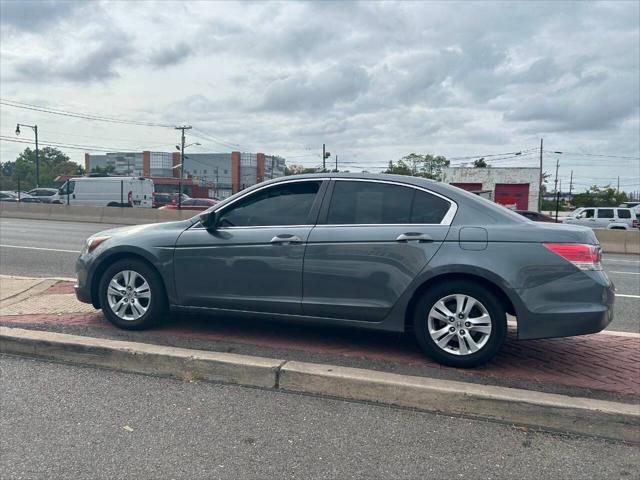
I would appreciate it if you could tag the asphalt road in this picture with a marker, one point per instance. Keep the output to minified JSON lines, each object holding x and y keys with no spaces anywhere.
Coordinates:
{"x":50,"y":248}
{"x":61,"y":421}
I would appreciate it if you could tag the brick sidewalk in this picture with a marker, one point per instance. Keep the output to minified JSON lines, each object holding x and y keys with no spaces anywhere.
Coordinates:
{"x":599,"y":362}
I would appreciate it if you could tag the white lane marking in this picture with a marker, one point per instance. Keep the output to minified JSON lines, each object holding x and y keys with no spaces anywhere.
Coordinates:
{"x":626,"y":295}
{"x":625,"y":273}
{"x":40,"y":248}
{"x":622,"y":261}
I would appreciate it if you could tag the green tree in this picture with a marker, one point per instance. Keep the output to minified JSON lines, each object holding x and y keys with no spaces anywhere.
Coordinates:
{"x":599,"y":197}
{"x":399,"y":168}
{"x":480,"y":163}
{"x":52,"y":161}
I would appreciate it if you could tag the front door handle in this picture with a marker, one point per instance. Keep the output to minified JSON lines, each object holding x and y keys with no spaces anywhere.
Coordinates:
{"x":414,"y":236}
{"x":285,"y":238}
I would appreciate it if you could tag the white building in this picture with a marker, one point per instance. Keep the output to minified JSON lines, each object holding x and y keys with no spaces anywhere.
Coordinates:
{"x":517,"y":188}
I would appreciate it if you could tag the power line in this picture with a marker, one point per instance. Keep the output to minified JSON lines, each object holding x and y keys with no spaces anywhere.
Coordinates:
{"x":75,"y":146}
{"x":594,"y":155}
{"x":85,"y":116}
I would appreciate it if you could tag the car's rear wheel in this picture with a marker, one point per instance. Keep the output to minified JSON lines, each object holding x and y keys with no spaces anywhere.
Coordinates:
{"x":132,"y":295}
{"x":460,"y":324}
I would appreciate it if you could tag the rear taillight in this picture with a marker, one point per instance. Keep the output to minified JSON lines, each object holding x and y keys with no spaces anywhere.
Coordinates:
{"x":634,"y":223}
{"x":583,"y":256}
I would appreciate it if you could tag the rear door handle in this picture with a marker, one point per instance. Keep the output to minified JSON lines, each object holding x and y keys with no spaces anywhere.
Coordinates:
{"x":414,"y":236}
{"x":285,"y":238}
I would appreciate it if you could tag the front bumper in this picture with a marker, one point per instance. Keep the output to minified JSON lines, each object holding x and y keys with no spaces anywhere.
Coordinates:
{"x":83,"y":286}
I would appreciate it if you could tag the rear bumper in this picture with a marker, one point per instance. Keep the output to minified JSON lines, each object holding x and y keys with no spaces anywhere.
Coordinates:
{"x":586,"y":308}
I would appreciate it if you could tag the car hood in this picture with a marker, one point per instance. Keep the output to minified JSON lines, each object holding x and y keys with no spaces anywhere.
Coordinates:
{"x":147,"y":235}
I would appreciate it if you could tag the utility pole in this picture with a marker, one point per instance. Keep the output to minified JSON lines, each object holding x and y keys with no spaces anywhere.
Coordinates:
{"x":618,"y":189}
{"x":217,"y":195}
{"x":182,"y":129}
{"x":540,"y":185}
{"x":336,"y":163}
{"x":556,"y":188}
{"x":324,"y":157}
{"x":571,"y":183}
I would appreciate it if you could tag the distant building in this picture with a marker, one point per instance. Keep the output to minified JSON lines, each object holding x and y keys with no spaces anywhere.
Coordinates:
{"x":206,"y":174}
{"x":516,"y":188}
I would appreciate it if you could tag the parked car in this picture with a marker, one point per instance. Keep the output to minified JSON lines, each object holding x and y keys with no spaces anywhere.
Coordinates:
{"x":8,"y":197}
{"x":46,"y":195}
{"x":384,"y":252}
{"x":612,"y":218}
{"x":630,"y":205}
{"x":191,"y":204}
{"x":108,"y":191}
{"x":536,"y":216}
{"x":162,"y":199}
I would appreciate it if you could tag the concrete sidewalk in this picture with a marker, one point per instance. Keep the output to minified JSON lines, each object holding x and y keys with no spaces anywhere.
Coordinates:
{"x":604,"y":366}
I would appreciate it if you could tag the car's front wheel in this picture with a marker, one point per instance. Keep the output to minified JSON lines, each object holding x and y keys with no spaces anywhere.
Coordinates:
{"x":460,"y":324}
{"x":132,"y":295}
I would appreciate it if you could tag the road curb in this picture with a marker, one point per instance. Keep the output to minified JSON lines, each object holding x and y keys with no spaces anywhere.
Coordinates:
{"x":613,"y":420}
{"x":136,"y":357}
{"x":619,"y":421}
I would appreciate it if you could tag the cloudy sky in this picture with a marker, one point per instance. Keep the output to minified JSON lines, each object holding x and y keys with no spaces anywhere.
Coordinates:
{"x":374,"y":81}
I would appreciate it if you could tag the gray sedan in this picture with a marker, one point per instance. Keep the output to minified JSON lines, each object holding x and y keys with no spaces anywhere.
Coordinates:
{"x":382,"y":252}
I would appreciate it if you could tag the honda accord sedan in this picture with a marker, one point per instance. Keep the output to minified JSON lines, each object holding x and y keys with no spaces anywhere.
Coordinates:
{"x":382,"y":252}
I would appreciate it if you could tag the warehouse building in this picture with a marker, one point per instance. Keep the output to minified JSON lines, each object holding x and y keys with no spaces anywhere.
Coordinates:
{"x":515,"y":188}
{"x":214,"y":175}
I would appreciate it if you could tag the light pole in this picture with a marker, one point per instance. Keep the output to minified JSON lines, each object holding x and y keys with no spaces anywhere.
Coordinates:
{"x":35,"y":129}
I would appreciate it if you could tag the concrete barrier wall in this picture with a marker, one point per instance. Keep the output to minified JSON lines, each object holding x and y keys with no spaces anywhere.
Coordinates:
{"x":77,"y":213}
{"x":612,"y":241}
{"x":619,"y":241}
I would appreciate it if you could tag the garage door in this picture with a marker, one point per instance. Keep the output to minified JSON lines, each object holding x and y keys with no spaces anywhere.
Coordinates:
{"x":513,"y":195}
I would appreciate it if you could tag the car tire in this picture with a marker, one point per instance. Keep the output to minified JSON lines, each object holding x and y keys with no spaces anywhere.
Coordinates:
{"x":132,"y":295}
{"x":464,"y":342}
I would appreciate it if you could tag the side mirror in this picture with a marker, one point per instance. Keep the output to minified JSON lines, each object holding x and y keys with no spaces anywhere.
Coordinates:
{"x":210,"y":220}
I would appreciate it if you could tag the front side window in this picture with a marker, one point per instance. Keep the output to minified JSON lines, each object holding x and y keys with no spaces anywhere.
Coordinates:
{"x":358,"y":203}
{"x":68,"y":187}
{"x":588,"y":213}
{"x":605,"y":213}
{"x":285,"y":204}
{"x":624,"y":213}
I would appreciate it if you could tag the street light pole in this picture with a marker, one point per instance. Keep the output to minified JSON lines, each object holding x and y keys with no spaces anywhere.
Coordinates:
{"x":35,"y":130}
{"x":182,"y":129}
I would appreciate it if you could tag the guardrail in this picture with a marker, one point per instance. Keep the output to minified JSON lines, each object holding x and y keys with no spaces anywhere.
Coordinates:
{"x":612,"y":241}
{"x":77,"y":213}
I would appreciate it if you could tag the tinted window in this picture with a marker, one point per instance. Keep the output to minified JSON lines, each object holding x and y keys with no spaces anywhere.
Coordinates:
{"x":605,"y":213}
{"x":624,"y":213}
{"x":360,"y":203}
{"x":428,"y":208}
{"x":369,"y":203}
{"x":287,"y":204}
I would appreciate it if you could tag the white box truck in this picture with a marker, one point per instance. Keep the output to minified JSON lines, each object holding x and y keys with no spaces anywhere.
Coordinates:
{"x":108,"y":192}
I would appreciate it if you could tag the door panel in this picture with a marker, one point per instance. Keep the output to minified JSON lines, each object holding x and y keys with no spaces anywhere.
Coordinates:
{"x":372,"y":239}
{"x":241,"y":269}
{"x":358,"y":272}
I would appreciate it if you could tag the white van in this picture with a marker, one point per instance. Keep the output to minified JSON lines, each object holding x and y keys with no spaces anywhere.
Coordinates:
{"x":108,"y":191}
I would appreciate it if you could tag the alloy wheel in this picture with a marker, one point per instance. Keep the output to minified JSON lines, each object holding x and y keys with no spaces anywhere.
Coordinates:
{"x":459,"y":324}
{"x":129,"y":295}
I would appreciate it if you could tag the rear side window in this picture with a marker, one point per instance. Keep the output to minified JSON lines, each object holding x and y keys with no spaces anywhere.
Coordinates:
{"x":359,"y":203}
{"x":605,"y":213}
{"x":624,"y":213}
{"x":428,"y":208}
